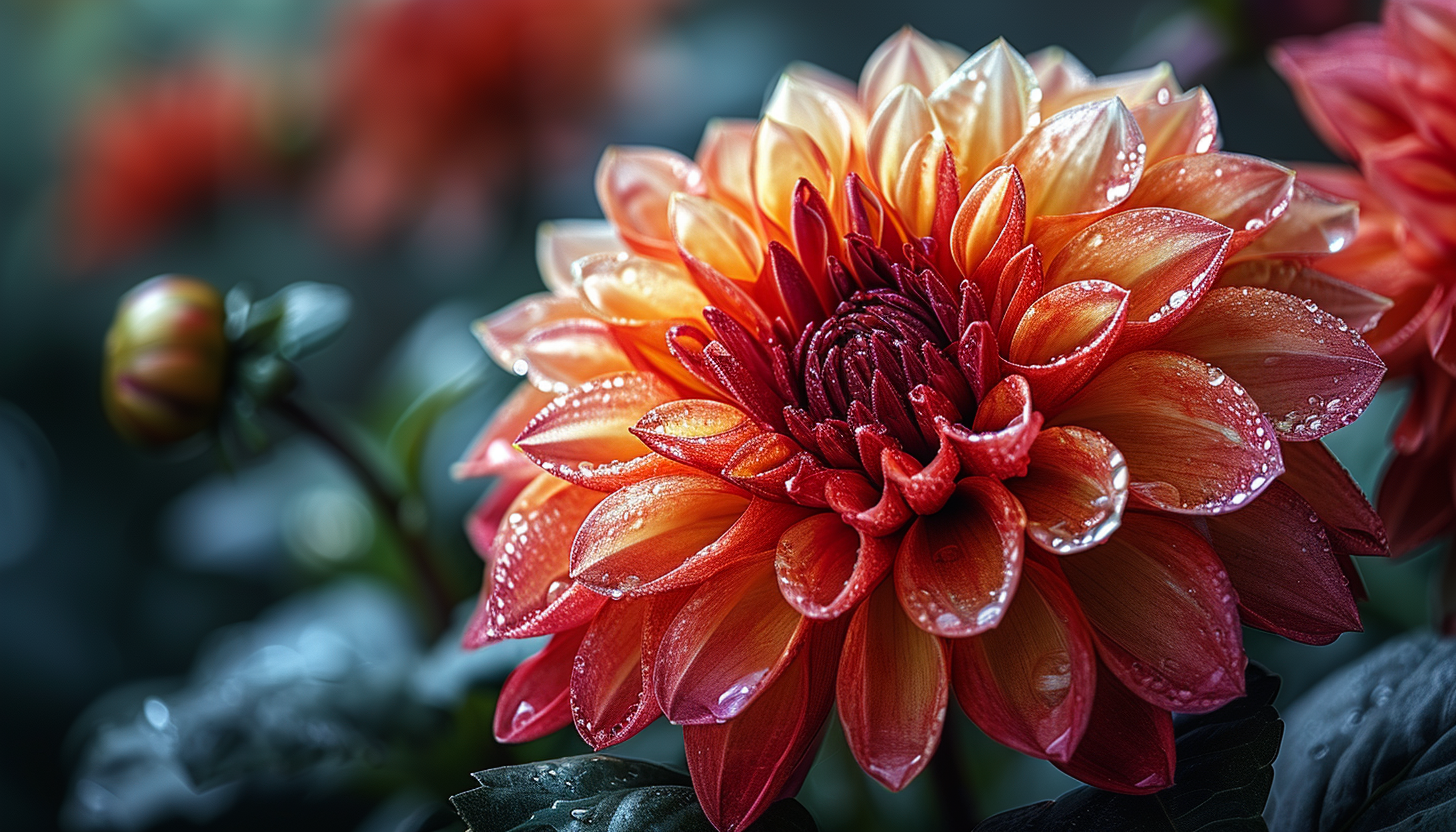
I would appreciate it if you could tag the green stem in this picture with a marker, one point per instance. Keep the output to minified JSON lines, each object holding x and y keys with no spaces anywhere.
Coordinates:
{"x":390,"y":503}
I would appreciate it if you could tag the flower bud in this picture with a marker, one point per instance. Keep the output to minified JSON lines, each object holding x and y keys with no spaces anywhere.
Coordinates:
{"x":166,"y":360}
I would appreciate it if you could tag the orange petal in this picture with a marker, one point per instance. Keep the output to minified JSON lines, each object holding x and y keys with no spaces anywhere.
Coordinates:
{"x":710,"y":233}
{"x":741,"y":766}
{"x":748,"y":540}
{"x":1166,"y":259}
{"x":1163,"y":612}
{"x":698,"y":432}
{"x":1181,"y":125}
{"x":985,"y":107}
{"x":624,"y":289}
{"x":643,"y":531}
{"x":956,"y":570}
{"x":989,"y":227}
{"x":724,"y":155}
{"x":1194,"y":441}
{"x":1083,"y":160}
{"x":1064,"y":336}
{"x":997,"y":442}
{"x":553,"y":341}
{"x":727,"y":644}
{"x":907,"y":57}
{"x":530,"y":592}
{"x":536,"y":698}
{"x":892,"y":690}
{"x":1074,"y":490}
{"x":608,"y":701}
{"x":1245,"y":193}
{"x":585,"y":435}
{"x":560,"y":243}
{"x":825,"y":566}
{"x":782,"y":155}
{"x":1306,"y":368}
{"x":633,"y":186}
{"x":1028,"y":682}
{"x":1279,"y":559}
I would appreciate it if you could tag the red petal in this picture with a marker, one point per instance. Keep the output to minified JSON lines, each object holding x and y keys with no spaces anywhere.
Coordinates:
{"x":893,"y":687}
{"x":1128,"y":747}
{"x":997,"y":443}
{"x":1164,"y":615}
{"x":585,"y":435}
{"x":608,"y":701}
{"x":1028,"y":682}
{"x":1195,"y":443}
{"x":1280,"y":561}
{"x":956,"y":570}
{"x":1419,"y":182}
{"x":1245,"y":193}
{"x":1074,"y":490}
{"x":646,"y":530}
{"x":825,"y":566}
{"x":1416,"y":499}
{"x":530,"y":592}
{"x":1350,"y":521}
{"x":1166,"y":259}
{"x":727,"y":644}
{"x":634,"y":185}
{"x":1309,"y":372}
{"x":1064,"y":336}
{"x":536,"y":698}
{"x":741,"y":766}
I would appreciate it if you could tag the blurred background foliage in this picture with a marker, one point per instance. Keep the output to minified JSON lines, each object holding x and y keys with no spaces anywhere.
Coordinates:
{"x":193,"y":639}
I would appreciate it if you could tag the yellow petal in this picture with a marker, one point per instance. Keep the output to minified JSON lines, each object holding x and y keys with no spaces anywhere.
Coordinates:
{"x":985,"y":107}
{"x":1083,"y":160}
{"x":783,"y":154}
{"x":907,"y":57}
{"x":708,"y":232}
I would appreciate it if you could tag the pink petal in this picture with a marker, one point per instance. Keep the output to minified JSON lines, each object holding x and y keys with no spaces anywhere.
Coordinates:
{"x":608,"y":701}
{"x":1315,"y":223}
{"x":956,"y":570}
{"x":1310,"y":373}
{"x":1064,"y":336}
{"x":724,"y":155}
{"x":560,"y":243}
{"x":1128,"y":747}
{"x":633,"y":187}
{"x":585,"y":435}
{"x":1163,"y":613}
{"x":553,"y":341}
{"x":1165,"y":259}
{"x":1360,"y":309}
{"x":1279,"y":559}
{"x":1245,"y":193}
{"x":1028,"y":682}
{"x":643,"y":531}
{"x":1420,"y":181}
{"x":1074,"y":490}
{"x":825,"y":567}
{"x":1342,"y":83}
{"x":530,"y":592}
{"x":727,"y":645}
{"x":741,"y":766}
{"x":1195,"y":443}
{"x":893,"y":688}
{"x":1083,"y":160}
{"x":536,"y":698}
{"x":493,"y":452}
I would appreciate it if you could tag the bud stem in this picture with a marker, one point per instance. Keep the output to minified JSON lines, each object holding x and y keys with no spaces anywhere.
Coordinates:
{"x":390,"y":503}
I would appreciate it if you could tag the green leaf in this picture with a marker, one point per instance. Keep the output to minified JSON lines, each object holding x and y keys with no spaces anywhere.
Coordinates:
{"x":1221,"y":784}
{"x":299,"y":319}
{"x":595,"y":791}
{"x":1373,"y":747}
{"x":407,"y":438}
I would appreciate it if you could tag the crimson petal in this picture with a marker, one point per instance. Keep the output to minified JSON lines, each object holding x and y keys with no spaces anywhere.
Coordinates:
{"x":1074,"y":490}
{"x":536,"y":698}
{"x":1353,"y":526}
{"x":1128,"y":747}
{"x":825,"y":566}
{"x":608,"y":700}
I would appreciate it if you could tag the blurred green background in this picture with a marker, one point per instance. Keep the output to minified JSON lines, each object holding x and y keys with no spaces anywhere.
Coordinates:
{"x":118,"y":568}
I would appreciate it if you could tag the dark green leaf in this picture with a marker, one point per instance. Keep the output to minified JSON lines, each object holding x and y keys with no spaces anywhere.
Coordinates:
{"x":407,"y":438}
{"x":597,"y":792}
{"x":1221,"y":784}
{"x":1373,"y":747}
{"x":312,"y":314}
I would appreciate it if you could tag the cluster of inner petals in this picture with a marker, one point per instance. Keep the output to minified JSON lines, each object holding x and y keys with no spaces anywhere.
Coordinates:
{"x":982,"y":377}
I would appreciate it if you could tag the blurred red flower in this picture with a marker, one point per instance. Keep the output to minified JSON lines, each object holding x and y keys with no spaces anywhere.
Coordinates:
{"x":980,"y":377}
{"x":155,"y":152}
{"x":439,"y":104}
{"x":1384,"y":97}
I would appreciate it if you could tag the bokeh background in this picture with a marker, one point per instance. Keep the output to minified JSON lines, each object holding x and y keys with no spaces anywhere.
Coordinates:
{"x":193,"y":639}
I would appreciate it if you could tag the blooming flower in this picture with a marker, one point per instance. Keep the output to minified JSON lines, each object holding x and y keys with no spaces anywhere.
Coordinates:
{"x":981,"y":377}
{"x":1381,"y":96}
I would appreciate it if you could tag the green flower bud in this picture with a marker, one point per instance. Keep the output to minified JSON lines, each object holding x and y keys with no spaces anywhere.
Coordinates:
{"x":166,"y":360}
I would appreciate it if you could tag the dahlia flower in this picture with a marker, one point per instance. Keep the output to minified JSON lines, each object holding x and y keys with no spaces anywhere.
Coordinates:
{"x":973,"y":379}
{"x":1382,"y":97}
